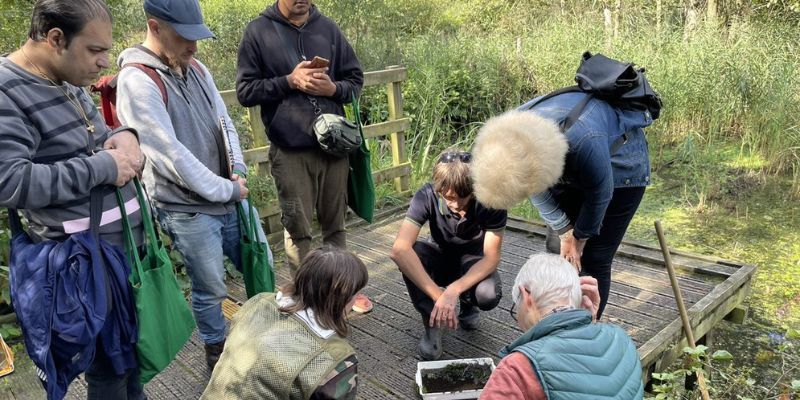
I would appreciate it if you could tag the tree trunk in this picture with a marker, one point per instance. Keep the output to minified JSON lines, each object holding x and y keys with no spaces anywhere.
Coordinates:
{"x":711,"y":11}
{"x":658,"y":15}
{"x":608,"y":26}
{"x":691,"y":20}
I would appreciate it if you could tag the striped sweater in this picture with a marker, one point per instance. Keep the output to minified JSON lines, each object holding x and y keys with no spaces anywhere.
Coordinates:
{"x":45,"y":163}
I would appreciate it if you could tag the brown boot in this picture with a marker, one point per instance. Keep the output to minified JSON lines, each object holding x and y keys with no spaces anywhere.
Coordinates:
{"x":213,"y":351}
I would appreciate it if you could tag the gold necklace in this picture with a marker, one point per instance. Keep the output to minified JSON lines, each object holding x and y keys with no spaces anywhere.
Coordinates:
{"x":72,"y":100}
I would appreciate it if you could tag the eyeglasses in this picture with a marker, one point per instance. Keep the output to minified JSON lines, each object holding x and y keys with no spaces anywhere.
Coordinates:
{"x":512,"y":312}
{"x":514,"y":305}
{"x":451,"y":156}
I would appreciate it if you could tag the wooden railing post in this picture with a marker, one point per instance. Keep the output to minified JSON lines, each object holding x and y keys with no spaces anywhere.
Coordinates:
{"x":398,"y":139}
{"x":259,"y":134}
{"x":400,"y":171}
{"x":257,"y":128}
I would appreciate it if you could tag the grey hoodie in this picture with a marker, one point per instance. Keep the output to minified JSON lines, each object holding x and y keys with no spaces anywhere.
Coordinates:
{"x":182,"y":140}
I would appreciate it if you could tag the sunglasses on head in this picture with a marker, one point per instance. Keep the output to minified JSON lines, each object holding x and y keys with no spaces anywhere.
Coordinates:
{"x":451,"y":156}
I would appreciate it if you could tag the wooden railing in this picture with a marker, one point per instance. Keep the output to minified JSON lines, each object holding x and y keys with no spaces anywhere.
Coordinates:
{"x":394,"y":128}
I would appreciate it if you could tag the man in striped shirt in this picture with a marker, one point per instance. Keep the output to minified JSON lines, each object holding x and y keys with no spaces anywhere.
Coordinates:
{"x":55,"y":147}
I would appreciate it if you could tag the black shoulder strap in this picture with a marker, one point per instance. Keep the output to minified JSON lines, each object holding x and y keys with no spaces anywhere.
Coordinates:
{"x":288,"y":47}
{"x":96,"y":209}
{"x":14,"y":222}
{"x":95,"y":213}
{"x":568,"y":89}
{"x":576,"y":111}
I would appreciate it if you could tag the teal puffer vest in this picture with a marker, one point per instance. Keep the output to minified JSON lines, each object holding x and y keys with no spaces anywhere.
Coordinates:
{"x":575,"y":359}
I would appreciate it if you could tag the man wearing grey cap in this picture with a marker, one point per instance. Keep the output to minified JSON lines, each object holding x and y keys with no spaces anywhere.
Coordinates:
{"x":195,"y":171}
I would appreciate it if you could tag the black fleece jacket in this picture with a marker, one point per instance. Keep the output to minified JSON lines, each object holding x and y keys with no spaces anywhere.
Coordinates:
{"x":264,"y":64}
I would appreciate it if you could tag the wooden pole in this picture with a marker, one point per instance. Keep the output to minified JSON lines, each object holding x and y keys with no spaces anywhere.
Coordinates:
{"x":398,"y":139}
{"x":687,"y":326}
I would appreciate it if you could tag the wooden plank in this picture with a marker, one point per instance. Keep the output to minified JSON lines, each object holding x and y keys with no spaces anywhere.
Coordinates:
{"x":259,"y":155}
{"x":268,"y":210}
{"x":737,"y":316}
{"x":390,"y":173}
{"x":725,"y":296}
{"x":386,"y":128}
{"x":389,"y":75}
{"x":625,"y":309}
{"x":385,"y":340}
{"x":704,"y":327}
{"x":640,"y":252}
{"x":23,"y":382}
{"x":651,"y":256}
{"x":398,"y":139}
{"x":496,"y":326}
{"x":257,"y":129}
{"x":651,"y":279}
{"x":229,"y":98}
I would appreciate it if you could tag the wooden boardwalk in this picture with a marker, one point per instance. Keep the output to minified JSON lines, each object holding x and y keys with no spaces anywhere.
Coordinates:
{"x":641,"y":301}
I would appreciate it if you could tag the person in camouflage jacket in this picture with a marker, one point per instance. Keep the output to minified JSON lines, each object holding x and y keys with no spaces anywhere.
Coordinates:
{"x":290,"y":344}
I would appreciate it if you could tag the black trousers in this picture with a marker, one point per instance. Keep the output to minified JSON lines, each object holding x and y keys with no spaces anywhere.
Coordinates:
{"x":599,"y":251}
{"x":445,"y":267}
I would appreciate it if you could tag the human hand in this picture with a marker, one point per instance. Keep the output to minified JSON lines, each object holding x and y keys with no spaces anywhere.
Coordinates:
{"x":320,"y":84}
{"x":127,"y":142}
{"x":590,"y":295}
{"x":127,"y":166}
{"x":572,"y":250}
{"x":302,"y":74}
{"x":243,"y":191}
{"x":444,"y":311}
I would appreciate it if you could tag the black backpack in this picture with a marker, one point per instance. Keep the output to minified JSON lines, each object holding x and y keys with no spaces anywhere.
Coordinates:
{"x":619,"y":84}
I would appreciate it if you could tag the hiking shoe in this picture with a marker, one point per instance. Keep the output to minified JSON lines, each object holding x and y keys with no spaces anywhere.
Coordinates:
{"x":213,"y":351}
{"x":430,"y":344}
{"x":362,"y":304}
{"x":469,"y":317}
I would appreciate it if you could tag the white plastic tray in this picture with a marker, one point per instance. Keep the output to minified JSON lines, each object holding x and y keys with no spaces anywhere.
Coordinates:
{"x":466,"y":394}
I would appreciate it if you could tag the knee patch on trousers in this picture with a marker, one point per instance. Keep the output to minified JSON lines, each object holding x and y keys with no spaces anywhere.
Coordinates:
{"x":488,"y":294}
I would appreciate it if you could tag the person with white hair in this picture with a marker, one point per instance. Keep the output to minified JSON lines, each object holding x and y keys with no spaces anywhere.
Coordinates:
{"x":562,"y":354}
{"x":458,"y":263}
{"x":586,"y":182}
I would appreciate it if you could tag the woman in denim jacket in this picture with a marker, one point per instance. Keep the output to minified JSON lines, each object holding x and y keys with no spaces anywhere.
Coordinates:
{"x":588,"y":204}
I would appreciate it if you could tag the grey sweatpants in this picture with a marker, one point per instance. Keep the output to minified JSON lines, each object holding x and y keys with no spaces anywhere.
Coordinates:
{"x":309,"y":180}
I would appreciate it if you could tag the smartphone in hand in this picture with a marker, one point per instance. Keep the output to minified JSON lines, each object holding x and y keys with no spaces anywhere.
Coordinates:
{"x":319,"y":62}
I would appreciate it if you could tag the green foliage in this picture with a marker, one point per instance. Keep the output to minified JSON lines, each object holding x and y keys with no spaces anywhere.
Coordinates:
{"x":725,"y":380}
{"x":725,"y":154}
{"x":10,"y":331}
{"x":16,"y":22}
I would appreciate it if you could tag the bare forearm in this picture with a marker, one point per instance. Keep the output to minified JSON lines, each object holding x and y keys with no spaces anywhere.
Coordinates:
{"x":478,"y":272}
{"x":410,"y":265}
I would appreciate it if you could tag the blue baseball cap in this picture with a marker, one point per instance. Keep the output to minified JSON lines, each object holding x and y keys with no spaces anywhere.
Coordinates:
{"x":183,"y":15}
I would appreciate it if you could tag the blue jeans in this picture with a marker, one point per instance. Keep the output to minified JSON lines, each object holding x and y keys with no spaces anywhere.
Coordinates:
{"x":202,"y":240}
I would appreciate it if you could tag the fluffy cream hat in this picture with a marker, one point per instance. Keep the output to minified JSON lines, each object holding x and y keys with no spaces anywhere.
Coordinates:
{"x":515,"y":155}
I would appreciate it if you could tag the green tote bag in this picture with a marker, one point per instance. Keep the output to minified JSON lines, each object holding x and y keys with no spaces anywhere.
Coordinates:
{"x":256,"y":257}
{"x":360,"y":187}
{"x":164,"y":318}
